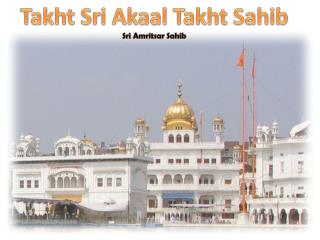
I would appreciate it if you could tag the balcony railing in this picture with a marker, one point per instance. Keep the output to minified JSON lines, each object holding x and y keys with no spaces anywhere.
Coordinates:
{"x":192,"y":187}
{"x":214,"y":209}
{"x":77,"y":189}
{"x":222,"y":166}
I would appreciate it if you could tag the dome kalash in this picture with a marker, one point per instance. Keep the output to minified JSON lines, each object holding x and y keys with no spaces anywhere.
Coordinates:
{"x":179,"y":115}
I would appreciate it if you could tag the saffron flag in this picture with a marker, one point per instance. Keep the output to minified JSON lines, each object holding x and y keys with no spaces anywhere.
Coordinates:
{"x":241,"y":60}
{"x":253,"y":73}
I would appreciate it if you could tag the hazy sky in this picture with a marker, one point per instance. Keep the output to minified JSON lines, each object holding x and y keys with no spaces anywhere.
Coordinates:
{"x":100,"y":87}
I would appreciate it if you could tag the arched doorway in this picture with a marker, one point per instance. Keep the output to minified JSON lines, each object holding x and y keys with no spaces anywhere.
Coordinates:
{"x":178,"y":179}
{"x":293,"y":216}
{"x":167,"y":179}
{"x":255,"y":216}
{"x":283,"y":217}
{"x":263,"y":216}
{"x":270,"y":216}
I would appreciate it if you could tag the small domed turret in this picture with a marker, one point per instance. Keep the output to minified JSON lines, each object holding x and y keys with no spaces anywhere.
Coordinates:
{"x":275,"y":130}
{"x":141,"y":128}
{"x":218,"y":128}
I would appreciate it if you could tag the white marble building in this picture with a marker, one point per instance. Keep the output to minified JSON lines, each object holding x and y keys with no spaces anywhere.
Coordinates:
{"x":281,"y":176}
{"x":180,"y":179}
{"x":187,"y":181}
{"x":108,"y":186}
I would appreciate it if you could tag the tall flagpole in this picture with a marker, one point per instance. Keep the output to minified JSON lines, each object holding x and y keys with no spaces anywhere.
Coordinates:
{"x":243,"y":185}
{"x":253,"y":153}
{"x":242,"y":63}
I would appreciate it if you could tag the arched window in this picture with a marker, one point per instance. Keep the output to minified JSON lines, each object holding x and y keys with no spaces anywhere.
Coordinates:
{"x":186,"y":138}
{"x":73,"y":151}
{"x":66,"y":182}
{"x":206,"y":179}
{"x":20,"y":153}
{"x":177,"y":179}
{"x":60,"y":151}
{"x":73,"y":182}
{"x":88,"y":152}
{"x":167,"y":179}
{"x":171,"y":138}
{"x":153,"y":179}
{"x":188,"y":179}
{"x":60,"y":182}
{"x":178,"y":138}
{"x":66,"y":151}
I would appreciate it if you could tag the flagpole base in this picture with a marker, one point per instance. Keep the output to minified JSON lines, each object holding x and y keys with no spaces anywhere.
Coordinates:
{"x":243,"y":218}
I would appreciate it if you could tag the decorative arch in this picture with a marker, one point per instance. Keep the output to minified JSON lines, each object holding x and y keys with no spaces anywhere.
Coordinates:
{"x":152,"y":179}
{"x":66,"y":151}
{"x":141,"y":149}
{"x":206,"y":179}
{"x":177,"y":179}
{"x":167,"y":179}
{"x":188,"y":179}
{"x":293,"y":216}
{"x":73,"y":182}
{"x":66,"y":182}
{"x":60,"y":182}
{"x":263,"y":216}
{"x":178,"y":138}
{"x":186,"y":138}
{"x":171,"y":138}
{"x":283,"y":216}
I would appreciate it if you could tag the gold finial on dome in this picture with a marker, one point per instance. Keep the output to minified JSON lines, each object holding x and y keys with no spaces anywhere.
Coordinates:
{"x":180,"y":88}
{"x":87,"y":140}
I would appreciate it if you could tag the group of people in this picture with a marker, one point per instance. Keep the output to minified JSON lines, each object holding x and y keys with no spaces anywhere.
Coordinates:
{"x":35,"y":210}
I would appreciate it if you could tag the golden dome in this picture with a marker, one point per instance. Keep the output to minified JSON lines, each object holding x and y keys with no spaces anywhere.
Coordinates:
{"x":140,"y":121}
{"x":218,"y":120}
{"x":87,"y":141}
{"x":179,"y":116}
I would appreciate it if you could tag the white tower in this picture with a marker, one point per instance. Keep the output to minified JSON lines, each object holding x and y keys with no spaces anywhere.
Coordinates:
{"x":141,"y":129}
{"x":259,"y":133}
{"x":218,"y":129}
{"x":275,"y":130}
{"x":236,"y":154}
